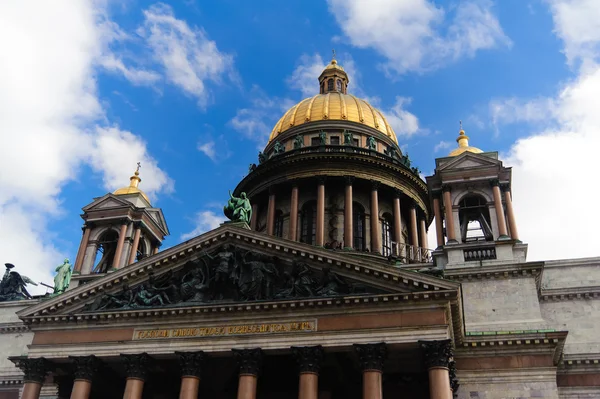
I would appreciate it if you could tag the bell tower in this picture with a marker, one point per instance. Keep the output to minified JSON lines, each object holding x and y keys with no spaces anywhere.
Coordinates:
{"x":470,"y":191}
{"x":120,"y":228}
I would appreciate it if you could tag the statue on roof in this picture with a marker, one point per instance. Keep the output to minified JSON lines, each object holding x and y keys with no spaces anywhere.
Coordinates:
{"x":12,"y":286}
{"x":238,"y":209}
{"x":62,"y":278}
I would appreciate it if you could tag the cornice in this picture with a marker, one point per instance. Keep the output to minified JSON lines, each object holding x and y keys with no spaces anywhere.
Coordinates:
{"x":486,"y":272}
{"x":570,"y":293}
{"x":16,"y":327}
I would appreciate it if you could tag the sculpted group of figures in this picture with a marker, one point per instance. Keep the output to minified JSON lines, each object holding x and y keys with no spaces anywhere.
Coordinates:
{"x":230,"y":275}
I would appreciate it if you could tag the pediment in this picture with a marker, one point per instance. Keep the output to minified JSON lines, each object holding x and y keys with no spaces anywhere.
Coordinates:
{"x":232,"y":266}
{"x":469,"y":160}
{"x":106,"y":201}
{"x":158,"y":217}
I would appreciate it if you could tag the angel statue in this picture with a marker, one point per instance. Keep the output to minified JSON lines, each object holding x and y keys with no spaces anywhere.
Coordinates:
{"x":62,"y":278}
{"x":12,"y":286}
{"x":238,"y":209}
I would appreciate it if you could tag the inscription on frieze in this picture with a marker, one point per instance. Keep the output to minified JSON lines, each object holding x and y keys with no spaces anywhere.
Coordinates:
{"x":225,"y":330}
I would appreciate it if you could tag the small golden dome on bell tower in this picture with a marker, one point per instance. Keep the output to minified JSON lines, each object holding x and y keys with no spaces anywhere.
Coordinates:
{"x":134,"y":181}
{"x":463,"y":144}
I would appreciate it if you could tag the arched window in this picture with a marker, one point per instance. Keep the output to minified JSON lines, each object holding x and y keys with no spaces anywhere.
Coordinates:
{"x":339,"y":85}
{"x":107,"y":246}
{"x":330,"y":85}
{"x":358,"y":226}
{"x":278,"y":224}
{"x":308,"y":223}
{"x":386,"y":234}
{"x":141,"y":250}
{"x":474,"y":219}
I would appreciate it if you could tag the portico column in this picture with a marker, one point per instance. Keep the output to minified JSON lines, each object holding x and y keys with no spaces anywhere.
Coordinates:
{"x":397,"y":222}
{"x":136,"y":242}
{"x":309,"y":361}
{"x":35,"y":371}
{"x":375,"y":229}
{"x":249,"y":361}
{"x":82,"y":248}
{"x":499,"y":209}
{"x":320,"y":230}
{"x":437,"y":360}
{"x":119,"y":251}
{"x":514,"y":233}
{"x":293,"y":234}
{"x":372,"y":357}
{"x":85,"y":368}
{"x":423,"y":231}
{"x":439,"y":229}
{"x":136,"y":367}
{"x":271,"y":213}
{"x":348,"y":215}
{"x":254,"y":217}
{"x":448,"y":215}
{"x":156,"y":248}
{"x":190,"y":364}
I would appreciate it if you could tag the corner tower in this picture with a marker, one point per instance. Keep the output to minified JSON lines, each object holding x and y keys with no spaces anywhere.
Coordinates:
{"x":470,"y":192}
{"x":120,"y":228}
{"x":332,"y":175}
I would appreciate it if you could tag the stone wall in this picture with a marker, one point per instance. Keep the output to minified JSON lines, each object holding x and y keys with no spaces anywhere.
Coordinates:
{"x":502,"y":304}
{"x":508,"y":384}
{"x":12,"y":343}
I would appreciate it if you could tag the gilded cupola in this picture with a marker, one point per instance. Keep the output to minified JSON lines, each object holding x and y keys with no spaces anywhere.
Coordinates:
{"x":463,"y":144}
{"x":134,"y":181}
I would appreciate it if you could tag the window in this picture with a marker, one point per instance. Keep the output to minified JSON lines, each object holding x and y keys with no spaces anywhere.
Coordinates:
{"x":474,"y":219}
{"x":141,"y":251}
{"x":330,"y":85}
{"x":315,"y":141}
{"x":308,"y":223}
{"x":334,"y":140}
{"x":386,"y":234}
{"x":278,"y":224}
{"x":358,"y":226}
{"x":355,"y":142}
{"x":339,"y":85}
{"x":107,"y":246}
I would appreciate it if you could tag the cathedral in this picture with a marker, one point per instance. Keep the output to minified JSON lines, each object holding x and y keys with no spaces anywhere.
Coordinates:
{"x":322,"y":286}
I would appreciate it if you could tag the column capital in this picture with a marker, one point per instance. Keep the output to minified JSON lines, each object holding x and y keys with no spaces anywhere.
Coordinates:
{"x":136,"y":366}
{"x":494,"y":182}
{"x":308,"y":358}
{"x":191,"y":363}
{"x":397,"y":193}
{"x":249,"y":360}
{"x":437,"y":353}
{"x":137,"y":224}
{"x":85,"y":367}
{"x":35,"y":370}
{"x":371,"y":356}
{"x":446,"y":188}
{"x":375,"y":185}
{"x":349,"y":180}
{"x":88,"y":225}
{"x":505,"y":187}
{"x":321,"y":180}
{"x":158,"y":244}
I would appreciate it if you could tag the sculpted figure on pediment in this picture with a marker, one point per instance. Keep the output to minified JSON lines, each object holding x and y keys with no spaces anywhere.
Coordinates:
{"x":229,"y":274}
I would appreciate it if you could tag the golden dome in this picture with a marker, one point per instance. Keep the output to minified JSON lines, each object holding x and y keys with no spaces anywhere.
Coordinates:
{"x":463,"y":144}
{"x":133,"y":186}
{"x":333,"y":106}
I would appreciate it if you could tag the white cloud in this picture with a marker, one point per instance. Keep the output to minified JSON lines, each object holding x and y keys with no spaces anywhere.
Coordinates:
{"x":411,"y":34}
{"x":552,"y":183}
{"x":188,"y":57}
{"x":49,"y":115}
{"x":442,"y":145}
{"x":403,"y":122}
{"x":208,"y":149}
{"x":204,"y":221}
{"x":306,"y":75}
{"x":136,"y":76}
{"x":511,"y":110}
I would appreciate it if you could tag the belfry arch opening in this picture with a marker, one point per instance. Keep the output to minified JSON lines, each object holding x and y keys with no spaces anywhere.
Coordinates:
{"x":105,"y":252}
{"x":474,"y":217}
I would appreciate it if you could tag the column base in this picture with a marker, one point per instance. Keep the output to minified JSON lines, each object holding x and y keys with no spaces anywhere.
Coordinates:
{"x":504,"y":238}
{"x":451,"y":242}
{"x":348,"y":249}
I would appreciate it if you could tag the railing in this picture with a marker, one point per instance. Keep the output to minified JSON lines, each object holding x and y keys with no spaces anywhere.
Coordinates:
{"x":411,"y":254}
{"x":480,"y":254}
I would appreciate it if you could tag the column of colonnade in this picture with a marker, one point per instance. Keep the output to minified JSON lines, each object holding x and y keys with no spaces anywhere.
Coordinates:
{"x":437,"y":355}
{"x":417,"y":221}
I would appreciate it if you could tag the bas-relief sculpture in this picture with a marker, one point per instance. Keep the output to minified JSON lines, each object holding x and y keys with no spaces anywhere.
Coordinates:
{"x":230,"y":274}
{"x":238,"y":209}
{"x":13,"y":285}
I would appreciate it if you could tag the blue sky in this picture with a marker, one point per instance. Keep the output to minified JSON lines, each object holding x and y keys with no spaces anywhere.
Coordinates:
{"x":192,"y":89}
